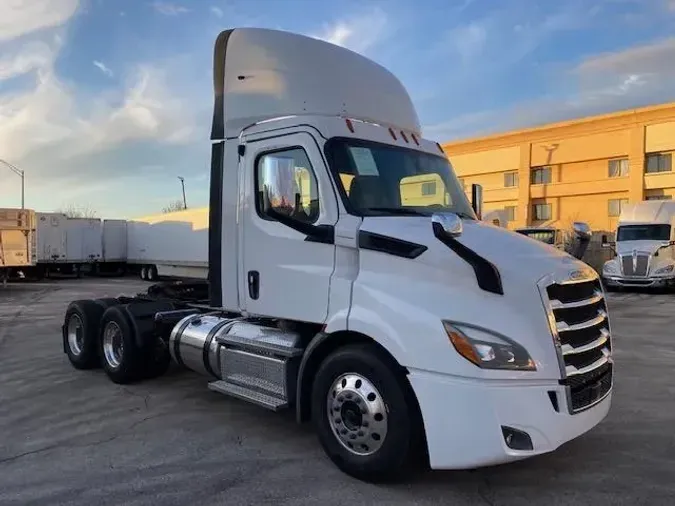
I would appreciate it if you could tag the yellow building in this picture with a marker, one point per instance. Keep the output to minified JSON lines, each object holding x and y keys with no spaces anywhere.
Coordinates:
{"x":583,"y":169}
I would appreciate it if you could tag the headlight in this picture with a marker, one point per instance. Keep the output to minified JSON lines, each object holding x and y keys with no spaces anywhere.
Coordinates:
{"x":609,"y":267}
{"x":487,"y":350}
{"x":664,"y":270}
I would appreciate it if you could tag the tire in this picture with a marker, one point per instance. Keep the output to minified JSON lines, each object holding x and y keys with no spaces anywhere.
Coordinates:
{"x":121,"y":358}
{"x":152,"y":273}
{"x":144,"y":273}
{"x":391,"y":427}
{"x":80,"y":333}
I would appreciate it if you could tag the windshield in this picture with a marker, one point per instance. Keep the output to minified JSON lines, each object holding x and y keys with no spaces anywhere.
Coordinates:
{"x":546,"y":236}
{"x":643,"y":233}
{"x":378,"y":179}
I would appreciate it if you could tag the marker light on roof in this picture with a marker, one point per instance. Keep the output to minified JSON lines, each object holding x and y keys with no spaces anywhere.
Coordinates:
{"x":349,"y":125}
{"x":414,"y":138}
{"x":404,"y":136}
{"x":391,"y":131}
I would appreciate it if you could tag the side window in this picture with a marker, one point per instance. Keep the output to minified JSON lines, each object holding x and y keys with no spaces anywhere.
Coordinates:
{"x":285,"y":182}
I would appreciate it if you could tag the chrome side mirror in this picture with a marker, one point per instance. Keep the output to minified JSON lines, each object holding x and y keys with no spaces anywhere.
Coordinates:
{"x":448,"y":223}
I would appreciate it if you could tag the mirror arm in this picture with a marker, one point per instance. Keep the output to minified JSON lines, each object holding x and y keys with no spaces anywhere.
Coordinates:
{"x":314,"y":233}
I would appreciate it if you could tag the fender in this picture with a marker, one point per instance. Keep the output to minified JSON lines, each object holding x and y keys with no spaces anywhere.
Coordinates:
{"x":318,"y":349}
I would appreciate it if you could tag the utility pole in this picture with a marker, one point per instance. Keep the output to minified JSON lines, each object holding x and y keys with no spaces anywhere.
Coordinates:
{"x":182,"y":183}
{"x":21,"y":174}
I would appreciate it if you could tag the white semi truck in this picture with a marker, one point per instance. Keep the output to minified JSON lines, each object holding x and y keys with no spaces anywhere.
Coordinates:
{"x":644,"y":246}
{"x":406,"y":334}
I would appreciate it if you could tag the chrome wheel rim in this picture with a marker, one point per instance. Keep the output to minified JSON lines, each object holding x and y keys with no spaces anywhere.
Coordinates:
{"x":357,"y":414}
{"x":113,"y":344}
{"x":75,"y":334}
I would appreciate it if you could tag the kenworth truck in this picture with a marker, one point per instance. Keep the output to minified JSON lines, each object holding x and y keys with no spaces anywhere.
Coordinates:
{"x":644,"y":247}
{"x":406,"y":334}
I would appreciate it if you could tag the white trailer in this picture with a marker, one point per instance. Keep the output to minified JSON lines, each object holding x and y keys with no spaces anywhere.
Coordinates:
{"x":65,"y":244}
{"x":402,"y":331}
{"x":17,"y":241}
{"x":172,"y":245}
{"x":644,"y":246}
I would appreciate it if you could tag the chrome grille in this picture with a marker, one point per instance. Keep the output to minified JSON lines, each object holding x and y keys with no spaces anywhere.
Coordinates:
{"x":637,"y":268}
{"x":579,"y":321}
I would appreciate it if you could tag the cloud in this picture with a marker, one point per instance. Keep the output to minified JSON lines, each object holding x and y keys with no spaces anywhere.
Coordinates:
{"x":469,"y":40}
{"x":78,"y":141}
{"x":217,"y":11}
{"x":18,"y":18}
{"x":102,"y":67}
{"x":657,"y":57}
{"x":33,"y":55}
{"x":169,"y":9}
{"x":359,"y":33}
{"x":599,"y":84}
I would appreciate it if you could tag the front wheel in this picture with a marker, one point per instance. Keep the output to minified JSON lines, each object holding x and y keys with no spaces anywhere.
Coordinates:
{"x":365,"y":417}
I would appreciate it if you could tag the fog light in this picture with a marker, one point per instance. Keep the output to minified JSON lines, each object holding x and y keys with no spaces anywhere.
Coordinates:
{"x":516,"y":439}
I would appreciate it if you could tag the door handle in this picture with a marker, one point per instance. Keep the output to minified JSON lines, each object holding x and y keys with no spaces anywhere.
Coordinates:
{"x":253,"y":284}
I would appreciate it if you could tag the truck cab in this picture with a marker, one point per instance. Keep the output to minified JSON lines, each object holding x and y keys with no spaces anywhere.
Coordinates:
{"x":644,"y":252}
{"x":401,"y":327}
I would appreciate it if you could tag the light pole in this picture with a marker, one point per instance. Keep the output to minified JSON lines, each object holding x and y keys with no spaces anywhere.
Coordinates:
{"x":182,"y":183}
{"x":21,"y":174}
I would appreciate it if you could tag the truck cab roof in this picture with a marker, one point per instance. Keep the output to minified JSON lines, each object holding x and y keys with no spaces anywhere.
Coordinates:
{"x":262,"y":74}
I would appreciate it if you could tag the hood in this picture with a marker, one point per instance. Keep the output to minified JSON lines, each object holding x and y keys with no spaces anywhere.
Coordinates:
{"x":517,"y":257}
{"x":627,"y":247}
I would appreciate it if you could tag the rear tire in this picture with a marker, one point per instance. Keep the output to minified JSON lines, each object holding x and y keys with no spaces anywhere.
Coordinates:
{"x":121,"y":358}
{"x":80,"y":333}
{"x":366,"y":418}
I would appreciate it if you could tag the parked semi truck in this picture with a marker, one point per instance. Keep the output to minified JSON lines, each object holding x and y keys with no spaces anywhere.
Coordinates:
{"x":644,"y":246}
{"x":17,"y":241}
{"x":404,"y":333}
{"x":576,"y":244}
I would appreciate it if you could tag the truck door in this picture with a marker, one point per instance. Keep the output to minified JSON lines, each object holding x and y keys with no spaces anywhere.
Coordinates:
{"x":280,"y":273}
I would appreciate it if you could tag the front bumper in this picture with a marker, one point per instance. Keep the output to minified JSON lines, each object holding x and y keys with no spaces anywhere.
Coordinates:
{"x":463,"y":418}
{"x":614,"y":280}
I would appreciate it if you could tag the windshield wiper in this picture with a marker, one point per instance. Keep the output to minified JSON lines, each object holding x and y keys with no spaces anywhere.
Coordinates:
{"x":398,"y":210}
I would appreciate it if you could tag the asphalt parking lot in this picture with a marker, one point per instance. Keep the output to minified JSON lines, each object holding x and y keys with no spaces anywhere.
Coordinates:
{"x":73,"y":437}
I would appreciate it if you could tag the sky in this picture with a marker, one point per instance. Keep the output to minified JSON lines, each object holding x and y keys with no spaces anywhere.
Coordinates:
{"x":105,"y":103}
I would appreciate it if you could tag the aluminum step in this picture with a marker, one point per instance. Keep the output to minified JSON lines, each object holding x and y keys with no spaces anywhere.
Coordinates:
{"x":240,"y":392}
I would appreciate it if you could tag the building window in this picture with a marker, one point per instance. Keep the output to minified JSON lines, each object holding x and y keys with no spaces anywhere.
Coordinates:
{"x":618,"y":168}
{"x":659,"y":162}
{"x":510,"y":179}
{"x":659,"y":197}
{"x":429,"y":188}
{"x":510,"y":213}
{"x":541,"y":175}
{"x":541,"y":212}
{"x":615,"y":206}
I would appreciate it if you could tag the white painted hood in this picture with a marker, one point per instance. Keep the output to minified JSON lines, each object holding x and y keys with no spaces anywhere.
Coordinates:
{"x":627,"y":247}
{"x":519,"y":259}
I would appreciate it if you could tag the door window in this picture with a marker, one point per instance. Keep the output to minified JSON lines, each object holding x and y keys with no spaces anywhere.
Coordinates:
{"x":285,"y":182}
